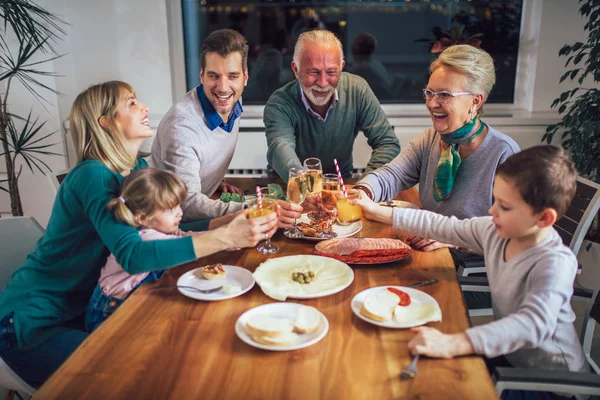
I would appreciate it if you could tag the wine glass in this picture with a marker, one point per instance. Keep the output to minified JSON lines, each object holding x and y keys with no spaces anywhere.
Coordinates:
{"x":314,"y":180}
{"x":267,"y":206}
{"x":296,"y":193}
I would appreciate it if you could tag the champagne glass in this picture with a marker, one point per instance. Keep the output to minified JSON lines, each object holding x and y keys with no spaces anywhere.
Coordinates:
{"x":314,"y":180}
{"x":296,"y":193}
{"x":258,"y":209}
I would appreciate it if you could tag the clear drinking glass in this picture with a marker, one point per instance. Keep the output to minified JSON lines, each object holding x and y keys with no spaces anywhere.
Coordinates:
{"x":348,"y":213}
{"x":269,"y":205}
{"x":314,"y":180}
{"x":296,"y":193}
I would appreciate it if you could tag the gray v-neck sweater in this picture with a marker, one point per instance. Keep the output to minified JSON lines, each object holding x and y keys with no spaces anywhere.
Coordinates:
{"x":531,"y":293}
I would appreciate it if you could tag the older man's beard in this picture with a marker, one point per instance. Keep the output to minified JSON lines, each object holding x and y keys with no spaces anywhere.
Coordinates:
{"x":318,"y":101}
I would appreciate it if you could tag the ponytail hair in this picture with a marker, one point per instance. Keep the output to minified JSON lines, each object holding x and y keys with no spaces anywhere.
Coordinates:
{"x":145,"y":193}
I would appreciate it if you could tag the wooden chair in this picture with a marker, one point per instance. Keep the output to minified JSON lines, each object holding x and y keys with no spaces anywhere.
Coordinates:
{"x":576,"y":383}
{"x":18,"y":237}
{"x":572,"y":228}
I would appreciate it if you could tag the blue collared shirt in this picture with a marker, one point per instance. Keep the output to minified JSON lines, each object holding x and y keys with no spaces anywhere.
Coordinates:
{"x":213,"y":119}
{"x":333,"y":102}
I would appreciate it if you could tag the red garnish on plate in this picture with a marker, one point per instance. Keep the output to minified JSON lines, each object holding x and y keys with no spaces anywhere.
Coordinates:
{"x":404,"y":297}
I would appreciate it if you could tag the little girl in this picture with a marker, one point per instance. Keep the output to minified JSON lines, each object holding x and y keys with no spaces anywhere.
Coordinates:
{"x":150,"y":199}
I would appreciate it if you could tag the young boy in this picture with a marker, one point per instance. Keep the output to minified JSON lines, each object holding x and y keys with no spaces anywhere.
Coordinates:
{"x":530,"y":271}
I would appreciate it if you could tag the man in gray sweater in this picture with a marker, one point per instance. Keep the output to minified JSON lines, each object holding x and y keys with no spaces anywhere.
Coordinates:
{"x":530,"y":270}
{"x":320,"y":114}
{"x":197,"y":137}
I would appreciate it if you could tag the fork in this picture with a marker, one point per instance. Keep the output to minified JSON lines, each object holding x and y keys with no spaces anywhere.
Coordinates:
{"x":410,"y":371}
{"x":192,"y":288}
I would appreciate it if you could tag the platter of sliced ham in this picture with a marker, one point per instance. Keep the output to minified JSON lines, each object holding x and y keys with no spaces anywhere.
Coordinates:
{"x":363,"y":250}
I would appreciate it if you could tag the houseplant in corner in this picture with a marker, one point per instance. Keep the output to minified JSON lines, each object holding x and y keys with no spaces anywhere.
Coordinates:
{"x":580,"y":107}
{"x":27,"y":32}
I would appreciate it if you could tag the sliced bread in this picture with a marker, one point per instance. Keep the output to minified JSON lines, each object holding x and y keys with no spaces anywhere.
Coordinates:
{"x":263,"y":326}
{"x":284,"y":340}
{"x":307,"y":320}
{"x":380,"y":305}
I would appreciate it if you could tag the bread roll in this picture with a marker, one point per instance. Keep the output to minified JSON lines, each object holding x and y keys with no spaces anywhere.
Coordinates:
{"x":307,"y":320}
{"x":263,"y":326}
{"x":380,"y":305}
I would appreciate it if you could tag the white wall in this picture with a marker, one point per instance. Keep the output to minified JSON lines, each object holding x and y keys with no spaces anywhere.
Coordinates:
{"x":112,"y":39}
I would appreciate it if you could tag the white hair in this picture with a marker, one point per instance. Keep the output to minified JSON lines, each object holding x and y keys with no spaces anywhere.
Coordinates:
{"x":320,"y":37}
{"x":476,"y":64}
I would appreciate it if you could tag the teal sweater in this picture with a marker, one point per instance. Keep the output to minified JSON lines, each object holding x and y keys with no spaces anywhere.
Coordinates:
{"x":294,"y":135}
{"x":54,"y":286}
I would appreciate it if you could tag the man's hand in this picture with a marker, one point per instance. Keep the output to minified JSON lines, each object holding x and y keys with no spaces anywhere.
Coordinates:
{"x":288,"y":212}
{"x":424,"y":244}
{"x":227,"y":188}
{"x":432,"y":343}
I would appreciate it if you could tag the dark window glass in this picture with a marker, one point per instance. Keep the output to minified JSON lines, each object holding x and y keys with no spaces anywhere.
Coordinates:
{"x":389,"y":42}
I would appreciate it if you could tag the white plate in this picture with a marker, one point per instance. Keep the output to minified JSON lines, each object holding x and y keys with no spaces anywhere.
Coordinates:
{"x":274,"y":277}
{"x":398,"y":203}
{"x":233,"y":276}
{"x":341,"y":230}
{"x":418,"y":298}
{"x":281,"y":310}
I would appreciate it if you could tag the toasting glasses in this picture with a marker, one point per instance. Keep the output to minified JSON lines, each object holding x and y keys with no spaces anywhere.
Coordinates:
{"x":296,"y":193}
{"x":259,"y":208}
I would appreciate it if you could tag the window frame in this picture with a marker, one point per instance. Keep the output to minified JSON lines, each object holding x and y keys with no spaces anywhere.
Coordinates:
{"x":524,"y":81}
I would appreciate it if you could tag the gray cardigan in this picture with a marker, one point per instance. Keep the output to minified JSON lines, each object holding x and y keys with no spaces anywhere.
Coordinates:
{"x":417,"y":163}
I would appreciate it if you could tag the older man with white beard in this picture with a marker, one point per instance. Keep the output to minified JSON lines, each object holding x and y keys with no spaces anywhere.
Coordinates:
{"x":320,"y":114}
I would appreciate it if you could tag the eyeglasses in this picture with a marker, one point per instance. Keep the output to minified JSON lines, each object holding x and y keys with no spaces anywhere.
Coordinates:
{"x":443,"y":97}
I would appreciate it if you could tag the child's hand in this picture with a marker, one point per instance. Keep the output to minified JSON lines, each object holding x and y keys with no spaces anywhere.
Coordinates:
{"x":423,"y":244}
{"x":432,"y":343}
{"x":244,"y":232}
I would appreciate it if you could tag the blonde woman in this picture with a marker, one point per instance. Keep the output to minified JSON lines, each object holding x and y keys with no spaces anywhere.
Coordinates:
{"x":43,"y":305}
{"x":454,"y":161}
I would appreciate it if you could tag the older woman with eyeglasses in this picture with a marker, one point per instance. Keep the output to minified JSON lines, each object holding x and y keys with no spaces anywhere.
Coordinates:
{"x":454,"y":161}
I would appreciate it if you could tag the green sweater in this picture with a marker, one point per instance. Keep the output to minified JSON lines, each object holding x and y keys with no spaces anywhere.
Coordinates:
{"x":54,"y":286}
{"x":294,"y":135}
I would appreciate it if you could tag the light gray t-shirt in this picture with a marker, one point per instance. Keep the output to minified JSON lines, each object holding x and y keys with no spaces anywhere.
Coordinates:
{"x":531,"y":293}
{"x":417,"y":164}
{"x":186,"y":146}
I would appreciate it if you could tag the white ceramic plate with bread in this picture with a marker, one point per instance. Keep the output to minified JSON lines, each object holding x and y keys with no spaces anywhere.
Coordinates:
{"x":379,"y":306}
{"x":281,"y":326}
{"x":235,"y":281}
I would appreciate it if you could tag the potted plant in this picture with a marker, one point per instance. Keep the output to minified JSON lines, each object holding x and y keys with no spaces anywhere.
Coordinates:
{"x":26,"y":31}
{"x":580,"y":107}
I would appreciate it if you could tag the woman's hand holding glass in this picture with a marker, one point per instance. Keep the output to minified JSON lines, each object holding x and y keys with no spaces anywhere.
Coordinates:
{"x":245,"y":232}
{"x":258,"y":209}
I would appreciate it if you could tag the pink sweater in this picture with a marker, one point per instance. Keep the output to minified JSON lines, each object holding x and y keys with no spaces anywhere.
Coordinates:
{"x":115,"y":282}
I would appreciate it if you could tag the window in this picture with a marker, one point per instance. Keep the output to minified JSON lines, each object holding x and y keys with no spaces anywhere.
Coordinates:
{"x":388,"y":42}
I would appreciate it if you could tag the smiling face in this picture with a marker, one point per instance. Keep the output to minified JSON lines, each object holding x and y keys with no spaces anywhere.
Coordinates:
{"x":319,"y":71}
{"x":460,"y":109}
{"x":131,"y":118}
{"x":223,"y":80}
{"x":513,"y":217}
{"x":166,"y":221}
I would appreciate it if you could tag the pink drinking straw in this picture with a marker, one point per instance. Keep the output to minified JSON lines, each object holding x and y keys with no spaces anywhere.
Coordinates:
{"x":337,"y":168}
{"x":259,"y":199}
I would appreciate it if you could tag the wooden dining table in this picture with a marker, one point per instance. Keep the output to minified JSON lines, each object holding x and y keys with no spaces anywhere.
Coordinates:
{"x":163,"y":345}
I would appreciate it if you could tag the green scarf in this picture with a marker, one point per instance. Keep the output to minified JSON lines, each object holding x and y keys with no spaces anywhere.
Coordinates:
{"x":449,"y":162}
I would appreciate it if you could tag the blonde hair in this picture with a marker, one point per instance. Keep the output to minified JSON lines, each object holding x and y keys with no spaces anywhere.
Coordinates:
{"x":147,"y":192}
{"x":320,"y":37}
{"x":476,"y":64}
{"x":91,"y":140}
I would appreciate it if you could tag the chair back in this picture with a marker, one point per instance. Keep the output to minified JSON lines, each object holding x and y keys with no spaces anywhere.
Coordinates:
{"x":591,"y":319}
{"x":573,"y":226}
{"x":18,"y":237}
{"x":56,"y":178}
